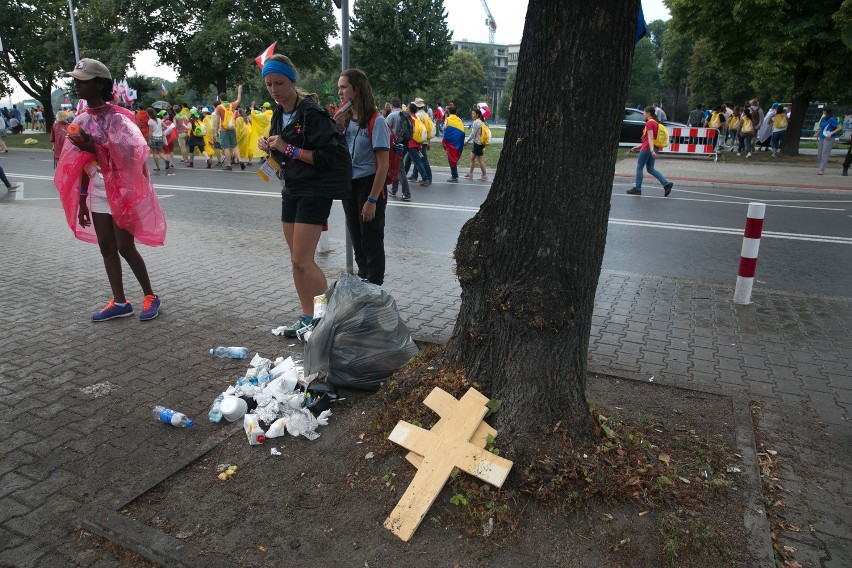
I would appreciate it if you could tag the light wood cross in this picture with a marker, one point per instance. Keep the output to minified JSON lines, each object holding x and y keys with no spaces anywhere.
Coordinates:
{"x":443,"y":450}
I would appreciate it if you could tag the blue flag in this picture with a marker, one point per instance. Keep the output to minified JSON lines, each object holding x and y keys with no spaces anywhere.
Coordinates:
{"x":641,"y":29}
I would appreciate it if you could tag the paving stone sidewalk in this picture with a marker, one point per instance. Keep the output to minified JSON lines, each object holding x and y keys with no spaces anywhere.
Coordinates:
{"x":76,"y":397}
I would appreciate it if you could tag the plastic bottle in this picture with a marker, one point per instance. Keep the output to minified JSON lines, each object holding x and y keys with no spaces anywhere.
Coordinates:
{"x":230,"y":352}
{"x":172,"y":417}
{"x":215,"y":414}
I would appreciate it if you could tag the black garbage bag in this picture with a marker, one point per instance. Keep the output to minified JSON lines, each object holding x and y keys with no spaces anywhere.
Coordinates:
{"x":361,"y":340}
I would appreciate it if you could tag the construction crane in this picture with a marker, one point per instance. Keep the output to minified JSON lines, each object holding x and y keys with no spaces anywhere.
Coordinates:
{"x":489,"y":21}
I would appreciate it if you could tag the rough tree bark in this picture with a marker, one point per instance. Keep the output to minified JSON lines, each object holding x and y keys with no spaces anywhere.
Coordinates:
{"x":528,"y":262}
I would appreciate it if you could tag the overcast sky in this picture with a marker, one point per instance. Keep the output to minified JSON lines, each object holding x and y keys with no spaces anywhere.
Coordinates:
{"x":466,"y":19}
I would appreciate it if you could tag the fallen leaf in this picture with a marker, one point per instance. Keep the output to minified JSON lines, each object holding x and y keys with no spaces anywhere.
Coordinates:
{"x":643,"y":513}
{"x":772,"y":453}
{"x":262,"y":548}
{"x":369,"y":456}
{"x":789,"y":550}
{"x":361,"y":436}
{"x":633,"y":480}
{"x":665,"y":458}
{"x":685,"y":480}
{"x":794,"y":528}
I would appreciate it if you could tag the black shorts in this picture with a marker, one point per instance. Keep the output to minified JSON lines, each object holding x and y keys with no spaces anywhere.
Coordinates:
{"x":478,"y":149}
{"x":308,"y":210}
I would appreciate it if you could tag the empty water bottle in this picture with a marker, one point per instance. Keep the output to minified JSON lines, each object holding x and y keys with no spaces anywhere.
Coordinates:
{"x":230,"y":352}
{"x":172,"y":417}
{"x":215,"y":414}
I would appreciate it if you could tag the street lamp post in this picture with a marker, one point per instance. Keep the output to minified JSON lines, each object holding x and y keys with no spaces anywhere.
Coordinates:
{"x":74,"y":31}
{"x":344,"y":65}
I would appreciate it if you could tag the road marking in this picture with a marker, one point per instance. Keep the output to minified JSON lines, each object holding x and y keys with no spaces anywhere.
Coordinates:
{"x":847,"y":201}
{"x":468,"y":209}
{"x":731,"y":231}
{"x":769,"y":202}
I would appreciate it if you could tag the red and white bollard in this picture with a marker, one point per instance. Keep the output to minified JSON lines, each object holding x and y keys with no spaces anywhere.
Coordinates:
{"x":748,"y":256}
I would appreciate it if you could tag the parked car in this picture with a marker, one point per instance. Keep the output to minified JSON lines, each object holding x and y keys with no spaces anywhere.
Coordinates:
{"x":634,"y":122}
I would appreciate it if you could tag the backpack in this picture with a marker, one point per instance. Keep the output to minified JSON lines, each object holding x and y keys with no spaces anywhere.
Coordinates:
{"x":696,"y":117}
{"x":430,"y":127}
{"x":781,"y":120}
{"x":394,"y":156}
{"x":406,"y":128}
{"x":662,"y":138}
{"x":715,"y":121}
{"x":485,"y":135}
{"x":227,"y":118}
{"x":419,"y":134}
{"x":747,"y":127}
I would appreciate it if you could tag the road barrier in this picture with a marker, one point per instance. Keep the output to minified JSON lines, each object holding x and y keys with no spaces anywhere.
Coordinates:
{"x":695,"y":141}
{"x":748,"y":255}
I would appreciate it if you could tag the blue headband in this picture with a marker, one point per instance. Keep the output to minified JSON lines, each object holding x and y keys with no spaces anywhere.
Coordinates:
{"x":279,"y":67}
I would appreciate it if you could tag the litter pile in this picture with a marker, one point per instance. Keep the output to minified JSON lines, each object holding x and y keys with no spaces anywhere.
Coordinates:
{"x":274,"y":398}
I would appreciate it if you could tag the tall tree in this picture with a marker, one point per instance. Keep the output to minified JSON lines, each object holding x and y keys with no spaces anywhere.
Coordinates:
{"x":674,"y":72}
{"x":644,"y":76}
{"x":800,"y":40}
{"x":219,"y":40}
{"x":400,"y":45}
{"x":528,"y":262}
{"x":459,"y":81}
{"x":38,"y":46}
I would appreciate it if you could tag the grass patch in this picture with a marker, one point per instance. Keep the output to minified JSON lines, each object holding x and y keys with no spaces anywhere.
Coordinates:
{"x":17,"y":141}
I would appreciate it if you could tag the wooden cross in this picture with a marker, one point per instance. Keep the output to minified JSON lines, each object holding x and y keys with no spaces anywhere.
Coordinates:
{"x":443,"y":449}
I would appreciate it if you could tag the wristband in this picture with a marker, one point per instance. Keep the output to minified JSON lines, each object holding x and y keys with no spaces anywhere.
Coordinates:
{"x":371,"y":199}
{"x":84,"y":192}
{"x":292,"y":152}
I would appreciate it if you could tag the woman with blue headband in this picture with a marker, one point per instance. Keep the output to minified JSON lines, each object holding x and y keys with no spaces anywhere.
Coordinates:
{"x":315,"y":170}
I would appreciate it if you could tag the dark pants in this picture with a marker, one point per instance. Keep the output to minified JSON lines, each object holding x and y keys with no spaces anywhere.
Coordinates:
{"x":368,"y":238}
{"x":3,"y":178}
{"x":848,"y":160}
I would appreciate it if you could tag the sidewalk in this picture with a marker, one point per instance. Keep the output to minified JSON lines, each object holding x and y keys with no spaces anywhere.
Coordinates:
{"x":76,"y":396}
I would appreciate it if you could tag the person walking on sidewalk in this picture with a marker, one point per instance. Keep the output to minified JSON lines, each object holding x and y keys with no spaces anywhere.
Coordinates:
{"x":103,"y":182}
{"x":368,"y":140}
{"x":847,"y":161}
{"x":829,"y":126}
{"x":477,"y":155}
{"x":779,"y":129}
{"x":648,"y":155}
{"x":9,"y":185}
{"x":745,"y":132}
{"x":315,"y":171}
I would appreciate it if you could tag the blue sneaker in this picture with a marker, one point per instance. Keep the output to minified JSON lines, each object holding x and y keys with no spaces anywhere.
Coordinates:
{"x":112,"y":311}
{"x":301,"y":323}
{"x":150,"y":307}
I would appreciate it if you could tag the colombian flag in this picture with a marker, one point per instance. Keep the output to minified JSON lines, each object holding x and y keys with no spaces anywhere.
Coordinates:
{"x":453,"y":140}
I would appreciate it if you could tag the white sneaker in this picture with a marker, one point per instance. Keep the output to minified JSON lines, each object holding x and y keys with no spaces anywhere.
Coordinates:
{"x":738,"y":154}
{"x":13,"y":187}
{"x":748,"y":155}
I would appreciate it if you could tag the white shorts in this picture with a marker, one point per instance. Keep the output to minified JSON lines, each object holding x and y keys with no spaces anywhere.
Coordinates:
{"x":97,"y":196}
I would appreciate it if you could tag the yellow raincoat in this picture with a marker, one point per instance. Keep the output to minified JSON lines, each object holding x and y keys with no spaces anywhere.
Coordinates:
{"x":243,"y":138}
{"x":208,"y":135}
{"x":260,"y":124}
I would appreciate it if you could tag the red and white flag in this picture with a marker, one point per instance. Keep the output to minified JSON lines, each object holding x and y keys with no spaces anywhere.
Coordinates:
{"x":486,"y":112}
{"x":261,"y":59}
{"x":163,"y":90}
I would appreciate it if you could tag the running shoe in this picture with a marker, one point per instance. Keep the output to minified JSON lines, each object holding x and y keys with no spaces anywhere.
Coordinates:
{"x":302,"y":322}
{"x":13,"y":187}
{"x":453,"y":180}
{"x":468,"y":176}
{"x":634,"y":191}
{"x":667,"y":189}
{"x":112,"y":311}
{"x":150,"y":307}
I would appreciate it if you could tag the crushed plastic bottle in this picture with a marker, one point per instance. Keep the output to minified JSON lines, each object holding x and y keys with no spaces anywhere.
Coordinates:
{"x":215,"y":414}
{"x":230,"y":352}
{"x":172,"y":417}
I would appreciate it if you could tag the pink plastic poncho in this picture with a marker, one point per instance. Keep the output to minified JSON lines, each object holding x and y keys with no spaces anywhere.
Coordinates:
{"x":122,"y":154}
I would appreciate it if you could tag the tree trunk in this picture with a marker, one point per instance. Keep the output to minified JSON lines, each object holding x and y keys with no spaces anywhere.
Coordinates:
{"x":790,"y":146}
{"x":528,"y":262}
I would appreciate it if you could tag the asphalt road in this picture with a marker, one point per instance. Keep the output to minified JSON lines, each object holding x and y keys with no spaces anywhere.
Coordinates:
{"x":696,"y":233}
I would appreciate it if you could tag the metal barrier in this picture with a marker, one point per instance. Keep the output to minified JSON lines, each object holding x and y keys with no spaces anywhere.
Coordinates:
{"x":694,"y":141}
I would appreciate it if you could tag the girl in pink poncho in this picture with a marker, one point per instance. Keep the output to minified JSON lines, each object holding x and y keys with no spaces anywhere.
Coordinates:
{"x":106,"y":190}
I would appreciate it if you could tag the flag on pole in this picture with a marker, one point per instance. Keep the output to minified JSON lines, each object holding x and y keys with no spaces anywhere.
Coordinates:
{"x":641,"y":28}
{"x":67,"y":99}
{"x":163,"y":90}
{"x":261,"y":59}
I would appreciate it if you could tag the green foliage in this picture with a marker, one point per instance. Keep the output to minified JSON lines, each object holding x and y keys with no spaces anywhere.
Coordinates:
{"x":219,"y":39}
{"x":460,"y":81}
{"x":459,"y":500}
{"x":400,"y":45}
{"x":644,"y":76}
{"x":657,"y":31}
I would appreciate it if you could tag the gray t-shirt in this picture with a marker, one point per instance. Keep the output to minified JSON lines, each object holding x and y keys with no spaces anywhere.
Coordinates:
{"x":393,"y":121}
{"x":362,"y":150}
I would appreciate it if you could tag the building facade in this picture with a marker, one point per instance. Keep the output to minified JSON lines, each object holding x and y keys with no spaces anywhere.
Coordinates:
{"x":505,"y":57}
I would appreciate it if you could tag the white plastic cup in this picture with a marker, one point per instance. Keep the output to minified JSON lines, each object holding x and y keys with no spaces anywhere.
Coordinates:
{"x":233,"y":408}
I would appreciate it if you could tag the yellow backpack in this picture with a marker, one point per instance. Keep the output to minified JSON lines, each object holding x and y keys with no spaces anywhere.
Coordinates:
{"x":747,"y":127}
{"x":715,"y":122}
{"x":485,"y":135}
{"x":228,"y":118}
{"x":780,"y":120}
{"x":419,"y":134}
